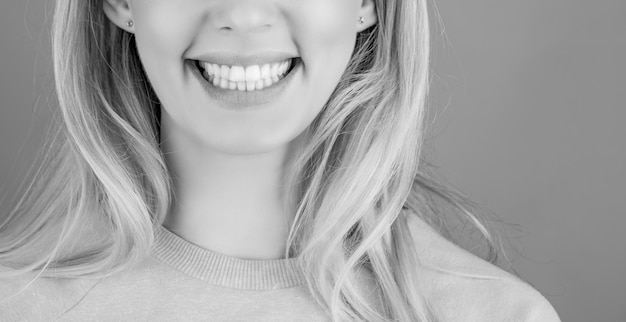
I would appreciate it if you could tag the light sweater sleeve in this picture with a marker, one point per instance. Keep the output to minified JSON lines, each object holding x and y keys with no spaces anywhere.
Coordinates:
{"x":542,"y":311}
{"x":464,"y":287}
{"x":44,"y":300}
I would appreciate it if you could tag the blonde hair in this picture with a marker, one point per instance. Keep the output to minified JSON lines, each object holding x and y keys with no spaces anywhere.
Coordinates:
{"x":104,"y":177}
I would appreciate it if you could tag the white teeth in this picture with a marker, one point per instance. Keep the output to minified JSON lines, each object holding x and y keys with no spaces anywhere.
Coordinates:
{"x":274,"y":70}
{"x":287,"y":65}
{"x":243,"y":85}
{"x":249,"y":73}
{"x":250,"y":78}
{"x":253,"y":73}
{"x":259,"y":84}
{"x":217,"y":71}
{"x":237,"y":74}
{"x":225,"y":72}
{"x":265,"y":71}
{"x":208,"y":68}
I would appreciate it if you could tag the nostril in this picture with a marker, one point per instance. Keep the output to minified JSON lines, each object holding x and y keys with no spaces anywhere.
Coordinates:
{"x":231,"y":29}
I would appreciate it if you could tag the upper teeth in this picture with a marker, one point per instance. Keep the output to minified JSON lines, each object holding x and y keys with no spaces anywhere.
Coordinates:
{"x":251,"y":73}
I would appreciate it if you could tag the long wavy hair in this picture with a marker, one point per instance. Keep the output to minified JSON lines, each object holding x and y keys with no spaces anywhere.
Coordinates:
{"x":103,"y":188}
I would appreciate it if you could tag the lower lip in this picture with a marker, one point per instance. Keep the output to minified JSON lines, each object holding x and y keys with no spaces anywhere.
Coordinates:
{"x":239,"y":100}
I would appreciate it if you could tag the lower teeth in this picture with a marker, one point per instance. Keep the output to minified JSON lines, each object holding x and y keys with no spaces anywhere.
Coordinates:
{"x":242,"y":86}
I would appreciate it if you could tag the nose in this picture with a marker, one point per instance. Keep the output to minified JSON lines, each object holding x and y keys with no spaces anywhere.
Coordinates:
{"x":243,"y":16}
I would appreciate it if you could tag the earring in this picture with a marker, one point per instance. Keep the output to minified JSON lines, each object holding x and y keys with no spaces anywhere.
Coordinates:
{"x":361,"y":20}
{"x":130,"y":23}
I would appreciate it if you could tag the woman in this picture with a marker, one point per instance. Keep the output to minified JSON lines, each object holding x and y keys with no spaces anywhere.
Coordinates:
{"x":245,"y":160}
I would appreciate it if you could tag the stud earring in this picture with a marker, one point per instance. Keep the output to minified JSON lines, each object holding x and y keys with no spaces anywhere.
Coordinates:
{"x":361,"y":20}
{"x":130,"y":23}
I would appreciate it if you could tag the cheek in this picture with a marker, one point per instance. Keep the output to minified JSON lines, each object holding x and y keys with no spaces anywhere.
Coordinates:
{"x":163,"y":28}
{"x":325,"y":32}
{"x":325,"y":26}
{"x":326,"y":16}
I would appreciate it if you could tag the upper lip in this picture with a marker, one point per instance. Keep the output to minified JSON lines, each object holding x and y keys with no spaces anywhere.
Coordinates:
{"x":231,"y":59}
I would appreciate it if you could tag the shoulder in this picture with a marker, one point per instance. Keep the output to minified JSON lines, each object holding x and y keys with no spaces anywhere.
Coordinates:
{"x":464,"y":287}
{"x":25,"y":298}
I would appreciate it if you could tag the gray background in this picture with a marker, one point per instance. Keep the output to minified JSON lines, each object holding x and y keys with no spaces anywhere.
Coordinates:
{"x":530,"y":97}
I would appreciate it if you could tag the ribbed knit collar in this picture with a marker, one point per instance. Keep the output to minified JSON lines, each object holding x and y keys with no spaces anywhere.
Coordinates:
{"x":223,"y":270}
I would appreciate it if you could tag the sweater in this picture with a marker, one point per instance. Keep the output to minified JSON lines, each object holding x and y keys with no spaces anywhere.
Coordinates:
{"x":181,"y":281}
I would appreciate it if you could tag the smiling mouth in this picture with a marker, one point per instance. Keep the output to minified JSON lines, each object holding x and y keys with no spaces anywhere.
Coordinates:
{"x":246,"y":79}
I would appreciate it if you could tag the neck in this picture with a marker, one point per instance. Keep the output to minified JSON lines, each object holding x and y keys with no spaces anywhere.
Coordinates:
{"x":230,"y":204}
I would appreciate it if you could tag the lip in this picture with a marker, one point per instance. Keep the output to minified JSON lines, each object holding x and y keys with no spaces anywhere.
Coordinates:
{"x":231,"y":59}
{"x":240,"y":100}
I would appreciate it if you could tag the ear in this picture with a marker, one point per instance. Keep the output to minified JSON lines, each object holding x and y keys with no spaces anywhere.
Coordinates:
{"x":368,"y":12}
{"x":118,"y":11}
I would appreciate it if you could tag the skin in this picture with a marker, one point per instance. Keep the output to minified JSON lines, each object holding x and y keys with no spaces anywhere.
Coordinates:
{"x":228,"y":165}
